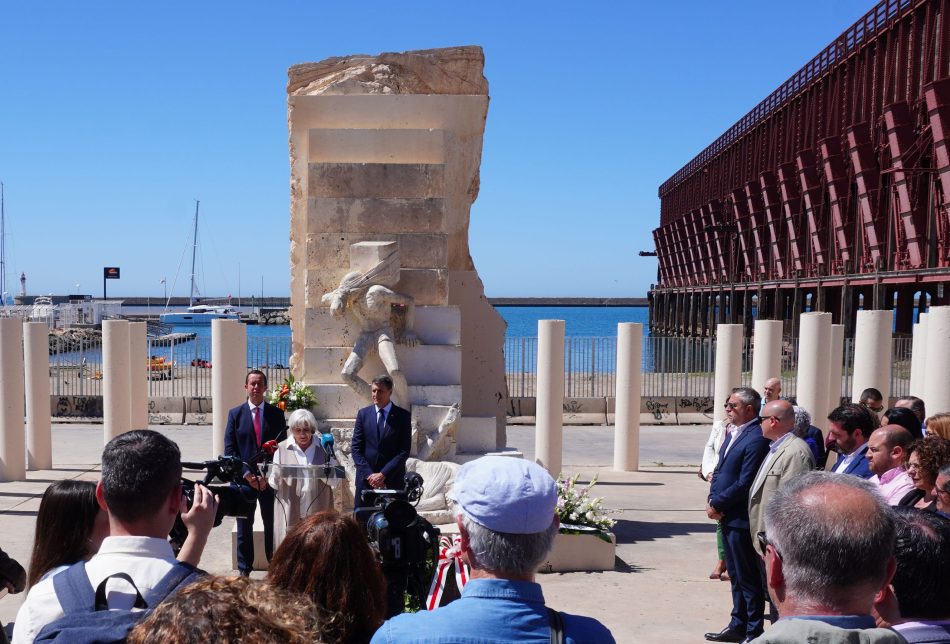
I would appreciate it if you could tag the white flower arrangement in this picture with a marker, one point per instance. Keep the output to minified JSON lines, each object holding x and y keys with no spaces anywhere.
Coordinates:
{"x":577,"y":511}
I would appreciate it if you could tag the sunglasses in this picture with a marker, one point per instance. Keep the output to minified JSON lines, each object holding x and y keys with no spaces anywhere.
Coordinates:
{"x":762,"y":419}
{"x":764,"y":543}
{"x":730,"y":405}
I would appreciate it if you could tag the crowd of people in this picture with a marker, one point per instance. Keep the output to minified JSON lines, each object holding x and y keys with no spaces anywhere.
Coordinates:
{"x":103,"y":569}
{"x":855,"y":550}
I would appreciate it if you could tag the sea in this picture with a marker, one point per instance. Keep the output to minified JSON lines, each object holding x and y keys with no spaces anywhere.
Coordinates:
{"x":579,"y":321}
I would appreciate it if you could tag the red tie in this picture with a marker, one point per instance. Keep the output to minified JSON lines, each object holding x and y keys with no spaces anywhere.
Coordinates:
{"x":257,"y":424}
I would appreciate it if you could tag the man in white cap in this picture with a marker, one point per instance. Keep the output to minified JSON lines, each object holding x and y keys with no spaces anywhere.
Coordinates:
{"x":505,"y":515}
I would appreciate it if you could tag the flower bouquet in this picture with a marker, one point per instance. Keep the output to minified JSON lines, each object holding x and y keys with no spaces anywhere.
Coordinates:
{"x":292,"y":395}
{"x":578,"y":512}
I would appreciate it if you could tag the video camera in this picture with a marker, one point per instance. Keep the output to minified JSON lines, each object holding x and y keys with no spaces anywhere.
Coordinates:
{"x":234,"y":499}
{"x":404,"y":542}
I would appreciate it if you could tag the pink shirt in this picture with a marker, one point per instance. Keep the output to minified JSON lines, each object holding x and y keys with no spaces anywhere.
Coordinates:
{"x":893,"y":485}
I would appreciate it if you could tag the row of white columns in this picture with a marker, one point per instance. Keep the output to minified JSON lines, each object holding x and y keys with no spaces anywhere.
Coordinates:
{"x":820,"y":359}
{"x":24,"y":376}
{"x":549,"y":436}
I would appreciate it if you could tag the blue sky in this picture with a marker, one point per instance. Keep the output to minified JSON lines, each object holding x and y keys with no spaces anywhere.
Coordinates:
{"x":116,"y":116}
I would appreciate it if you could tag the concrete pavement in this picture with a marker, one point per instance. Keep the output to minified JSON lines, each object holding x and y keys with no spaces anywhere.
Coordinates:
{"x":658,"y":591}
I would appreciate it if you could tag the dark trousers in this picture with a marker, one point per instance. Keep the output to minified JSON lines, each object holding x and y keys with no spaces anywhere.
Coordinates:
{"x":245,"y":532}
{"x":747,"y":596}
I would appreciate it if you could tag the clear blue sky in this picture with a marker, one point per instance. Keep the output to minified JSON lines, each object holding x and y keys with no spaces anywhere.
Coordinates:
{"x":116,"y":116}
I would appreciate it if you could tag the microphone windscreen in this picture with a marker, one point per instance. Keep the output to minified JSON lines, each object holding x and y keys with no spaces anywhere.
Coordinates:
{"x":326,"y":440}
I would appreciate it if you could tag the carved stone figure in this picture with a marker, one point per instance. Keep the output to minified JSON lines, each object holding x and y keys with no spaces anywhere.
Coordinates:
{"x":366,"y":297}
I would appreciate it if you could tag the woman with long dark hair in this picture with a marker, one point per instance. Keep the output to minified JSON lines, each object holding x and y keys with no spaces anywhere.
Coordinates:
{"x":70,"y":527}
{"x":327,"y":557}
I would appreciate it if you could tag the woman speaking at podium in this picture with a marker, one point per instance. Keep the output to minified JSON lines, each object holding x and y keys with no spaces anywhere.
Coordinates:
{"x":296,"y":473}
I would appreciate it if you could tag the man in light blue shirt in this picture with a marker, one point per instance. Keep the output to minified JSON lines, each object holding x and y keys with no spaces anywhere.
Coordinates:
{"x":507,"y":526}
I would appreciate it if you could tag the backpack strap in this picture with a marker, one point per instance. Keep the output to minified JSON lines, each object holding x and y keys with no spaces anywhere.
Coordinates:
{"x":180,"y":575}
{"x":103,"y":604}
{"x":74,"y":590}
{"x":556,"y":620}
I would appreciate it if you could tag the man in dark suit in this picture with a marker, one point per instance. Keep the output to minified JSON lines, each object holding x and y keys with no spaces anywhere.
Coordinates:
{"x":381,"y":440}
{"x":740,"y":456}
{"x":849,"y":428}
{"x":250,"y":425}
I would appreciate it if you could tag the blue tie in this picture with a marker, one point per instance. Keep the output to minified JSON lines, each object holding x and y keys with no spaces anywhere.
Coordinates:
{"x":380,"y":424}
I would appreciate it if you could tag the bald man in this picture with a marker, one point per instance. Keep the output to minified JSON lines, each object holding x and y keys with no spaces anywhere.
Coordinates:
{"x":788,"y":457}
{"x":772,"y":390}
{"x":887,"y":447}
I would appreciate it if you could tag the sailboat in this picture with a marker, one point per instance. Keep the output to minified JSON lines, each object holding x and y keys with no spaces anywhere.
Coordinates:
{"x":197,"y":314}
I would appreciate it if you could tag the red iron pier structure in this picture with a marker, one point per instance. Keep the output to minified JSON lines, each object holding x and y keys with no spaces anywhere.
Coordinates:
{"x":832,"y":194}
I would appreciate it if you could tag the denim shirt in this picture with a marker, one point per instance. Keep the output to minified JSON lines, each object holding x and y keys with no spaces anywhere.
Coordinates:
{"x":490,"y":610}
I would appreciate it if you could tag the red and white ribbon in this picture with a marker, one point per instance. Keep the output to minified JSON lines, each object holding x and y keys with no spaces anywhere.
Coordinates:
{"x":450,"y":556}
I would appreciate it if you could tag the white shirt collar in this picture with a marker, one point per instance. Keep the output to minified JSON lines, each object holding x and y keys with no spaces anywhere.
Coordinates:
{"x":252,"y":406}
{"x":137,"y":546}
{"x":388,"y":408}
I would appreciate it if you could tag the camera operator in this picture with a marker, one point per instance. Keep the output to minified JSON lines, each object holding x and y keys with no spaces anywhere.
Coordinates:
{"x":140,"y":487}
{"x":250,"y":425}
{"x":506,"y":521}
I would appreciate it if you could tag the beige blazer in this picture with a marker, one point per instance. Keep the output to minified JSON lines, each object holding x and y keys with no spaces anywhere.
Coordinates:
{"x":794,"y":457}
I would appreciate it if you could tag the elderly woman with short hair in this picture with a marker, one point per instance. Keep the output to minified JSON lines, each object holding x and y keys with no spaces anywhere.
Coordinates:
{"x":298,"y":487}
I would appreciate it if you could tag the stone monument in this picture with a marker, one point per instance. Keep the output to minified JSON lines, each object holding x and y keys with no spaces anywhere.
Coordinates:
{"x":385,"y":153}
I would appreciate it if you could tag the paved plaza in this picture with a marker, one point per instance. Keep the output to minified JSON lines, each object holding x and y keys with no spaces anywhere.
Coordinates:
{"x":658,"y":591}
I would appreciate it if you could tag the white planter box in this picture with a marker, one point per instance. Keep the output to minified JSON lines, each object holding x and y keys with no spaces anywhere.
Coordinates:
{"x":580,"y":553}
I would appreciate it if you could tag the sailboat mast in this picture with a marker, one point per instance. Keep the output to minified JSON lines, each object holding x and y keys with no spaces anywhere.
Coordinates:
{"x":3,"y":249}
{"x":194,"y":252}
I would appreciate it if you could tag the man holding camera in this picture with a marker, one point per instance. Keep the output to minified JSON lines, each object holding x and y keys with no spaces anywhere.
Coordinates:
{"x":140,"y":488}
{"x":250,"y":425}
{"x":382,"y":438}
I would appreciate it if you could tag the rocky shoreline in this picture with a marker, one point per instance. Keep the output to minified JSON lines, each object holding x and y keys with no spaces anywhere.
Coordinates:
{"x":65,"y":340}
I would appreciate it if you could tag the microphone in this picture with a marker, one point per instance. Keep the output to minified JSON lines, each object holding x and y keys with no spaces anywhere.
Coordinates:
{"x":326,"y":442}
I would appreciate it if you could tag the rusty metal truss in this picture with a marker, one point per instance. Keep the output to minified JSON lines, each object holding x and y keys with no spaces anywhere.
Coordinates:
{"x":842,"y":170}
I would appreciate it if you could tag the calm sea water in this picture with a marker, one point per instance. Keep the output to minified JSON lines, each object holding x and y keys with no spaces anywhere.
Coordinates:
{"x":522,"y":321}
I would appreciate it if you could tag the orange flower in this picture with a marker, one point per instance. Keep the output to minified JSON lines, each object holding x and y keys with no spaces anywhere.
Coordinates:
{"x":283,"y":405}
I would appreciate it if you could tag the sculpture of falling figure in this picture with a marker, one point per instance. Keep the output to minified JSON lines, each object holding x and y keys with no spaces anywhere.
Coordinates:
{"x":368,"y":298}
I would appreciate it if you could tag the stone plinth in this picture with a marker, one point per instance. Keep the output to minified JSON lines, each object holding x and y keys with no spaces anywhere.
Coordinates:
{"x":385,"y":154}
{"x":580,"y":553}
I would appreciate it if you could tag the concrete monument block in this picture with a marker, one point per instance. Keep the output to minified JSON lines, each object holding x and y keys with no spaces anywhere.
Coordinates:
{"x":385,"y":154}
{"x":374,"y":216}
{"x":12,"y":429}
{"x":728,"y":365}
{"x":873,"y":353}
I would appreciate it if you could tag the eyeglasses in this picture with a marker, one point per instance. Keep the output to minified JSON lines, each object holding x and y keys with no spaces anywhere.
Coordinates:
{"x":764,"y":543}
{"x":731,"y":405}
{"x":762,"y":419}
{"x":912,"y":467}
{"x":875,"y":408}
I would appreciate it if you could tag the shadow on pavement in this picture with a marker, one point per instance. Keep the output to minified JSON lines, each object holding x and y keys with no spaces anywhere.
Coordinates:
{"x":635,"y":531}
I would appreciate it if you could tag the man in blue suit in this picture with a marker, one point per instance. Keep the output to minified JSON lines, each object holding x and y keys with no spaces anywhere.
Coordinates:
{"x":381,"y":441}
{"x":250,"y":425}
{"x":740,"y":456}
{"x":849,"y":428}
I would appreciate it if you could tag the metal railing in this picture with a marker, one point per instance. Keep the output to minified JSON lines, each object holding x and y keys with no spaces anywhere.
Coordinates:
{"x":175,"y":367}
{"x":681,"y":367}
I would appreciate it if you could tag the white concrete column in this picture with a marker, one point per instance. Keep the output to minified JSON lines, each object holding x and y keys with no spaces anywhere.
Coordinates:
{"x":12,"y":431}
{"x":39,"y":446}
{"x":549,"y":416}
{"x":138,"y":368}
{"x":116,"y":385}
{"x":918,"y":359}
{"x":728,"y":365}
{"x":937,"y":388}
{"x":873,"y":353}
{"x":766,"y":352}
{"x":229,"y":368}
{"x":814,"y":347}
{"x":835,"y":365}
{"x":627,"y":412}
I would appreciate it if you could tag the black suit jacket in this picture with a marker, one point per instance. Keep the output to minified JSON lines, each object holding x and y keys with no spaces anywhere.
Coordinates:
{"x":239,"y":437}
{"x":735,"y":473}
{"x":384,"y":449}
